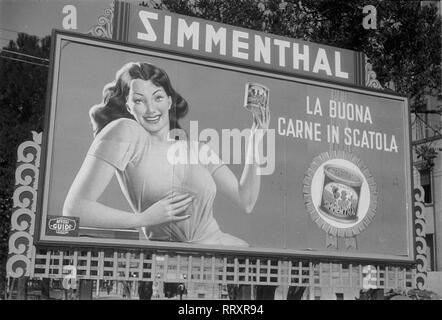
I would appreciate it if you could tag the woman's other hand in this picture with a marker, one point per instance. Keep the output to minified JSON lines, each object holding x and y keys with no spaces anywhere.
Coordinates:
{"x":166,"y":210}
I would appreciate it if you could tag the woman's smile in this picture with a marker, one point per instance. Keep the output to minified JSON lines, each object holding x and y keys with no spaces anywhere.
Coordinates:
{"x":153,"y":118}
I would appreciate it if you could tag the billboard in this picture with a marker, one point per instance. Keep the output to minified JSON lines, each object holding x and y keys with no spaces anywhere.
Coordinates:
{"x":260,"y":162}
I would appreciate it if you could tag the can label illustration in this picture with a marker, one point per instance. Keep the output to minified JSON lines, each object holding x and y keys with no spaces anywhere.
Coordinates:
{"x":341,"y":193}
{"x":256,"y":96}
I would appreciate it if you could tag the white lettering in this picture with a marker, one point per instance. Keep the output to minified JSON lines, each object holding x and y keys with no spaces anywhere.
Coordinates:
{"x":281,"y":122}
{"x":189,"y":32}
{"x":304,"y":57}
{"x":393,"y":145}
{"x":291,"y":129}
{"x":367,"y":117}
{"x":282,"y":45}
{"x":150,"y":34}
{"x":216,"y":37}
{"x":299,"y":129}
{"x":307,"y":105}
{"x":332,"y":109}
{"x":349,"y":111}
{"x":167,"y":29}
{"x":318,"y":109}
{"x":317,"y":131}
{"x":370,"y":140}
{"x":237,"y":44}
{"x":262,"y":49}
{"x":321,"y":62}
{"x":338,"y":72}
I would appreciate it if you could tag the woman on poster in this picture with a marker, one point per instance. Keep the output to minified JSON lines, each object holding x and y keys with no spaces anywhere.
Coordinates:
{"x":171,"y":202}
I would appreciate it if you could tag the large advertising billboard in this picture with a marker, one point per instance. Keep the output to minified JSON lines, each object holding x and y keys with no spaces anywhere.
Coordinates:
{"x":153,"y":149}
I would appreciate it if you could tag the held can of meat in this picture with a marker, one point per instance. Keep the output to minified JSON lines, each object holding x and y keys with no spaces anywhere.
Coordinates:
{"x":341,"y":193}
{"x":256,"y":96}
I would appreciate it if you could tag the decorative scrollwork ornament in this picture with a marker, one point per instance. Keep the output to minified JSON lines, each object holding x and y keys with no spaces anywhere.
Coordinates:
{"x":421,"y":243}
{"x":104,"y":28}
{"x":370,"y":76}
{"x":21,"y":240}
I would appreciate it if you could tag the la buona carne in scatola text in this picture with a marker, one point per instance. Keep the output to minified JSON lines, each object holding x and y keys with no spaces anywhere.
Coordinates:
{"x":341,"y":129}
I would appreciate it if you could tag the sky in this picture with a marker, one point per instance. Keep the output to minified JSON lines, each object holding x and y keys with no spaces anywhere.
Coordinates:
{"x":39,"y":17}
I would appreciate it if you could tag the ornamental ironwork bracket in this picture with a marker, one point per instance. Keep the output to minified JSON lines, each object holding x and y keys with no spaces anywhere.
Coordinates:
{"x":370,"y":76}
{"x":21,"y":239}
{"x":104,"y":28}
{"x":420,"y":241}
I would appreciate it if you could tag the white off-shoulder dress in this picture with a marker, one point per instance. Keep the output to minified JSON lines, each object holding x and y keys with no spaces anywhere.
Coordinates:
{"x":146,"y":174}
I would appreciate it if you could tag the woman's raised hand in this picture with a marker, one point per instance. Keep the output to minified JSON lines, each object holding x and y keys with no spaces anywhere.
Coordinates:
{"x":166,"y":210}
{"x":261,"y":118}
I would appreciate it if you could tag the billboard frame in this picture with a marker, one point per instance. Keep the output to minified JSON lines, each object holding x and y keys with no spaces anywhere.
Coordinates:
{"x":41,"y":240}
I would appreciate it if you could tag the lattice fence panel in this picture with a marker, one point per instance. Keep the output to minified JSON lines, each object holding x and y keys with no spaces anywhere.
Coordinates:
{"x":147,"y":266}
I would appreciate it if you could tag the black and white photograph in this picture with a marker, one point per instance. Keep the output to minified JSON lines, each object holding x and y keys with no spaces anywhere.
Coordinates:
{"x":221,"y":150}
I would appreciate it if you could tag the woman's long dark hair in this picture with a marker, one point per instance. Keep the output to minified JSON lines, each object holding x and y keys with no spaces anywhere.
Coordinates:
{"x":113,"y":105}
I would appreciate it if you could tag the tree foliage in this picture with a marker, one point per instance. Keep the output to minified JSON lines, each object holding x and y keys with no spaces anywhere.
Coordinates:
{"x":22,"y":99}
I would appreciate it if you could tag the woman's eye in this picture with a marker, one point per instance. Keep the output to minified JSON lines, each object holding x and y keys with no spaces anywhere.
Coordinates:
{"x":137,"y":101}
{"x":159,"y":98}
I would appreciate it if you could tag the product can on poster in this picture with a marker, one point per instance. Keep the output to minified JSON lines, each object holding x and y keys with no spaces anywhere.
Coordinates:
{"x":256,"y":96}
{"x":341,"y":193}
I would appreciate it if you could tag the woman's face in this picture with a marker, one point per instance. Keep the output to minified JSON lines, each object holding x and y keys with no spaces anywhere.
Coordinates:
{"x":149,"y":105}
